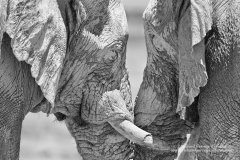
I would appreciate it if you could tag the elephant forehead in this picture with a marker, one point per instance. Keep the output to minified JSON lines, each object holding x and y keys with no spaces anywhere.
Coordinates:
{"x":106,"y":20}
{"x":91,"y":46}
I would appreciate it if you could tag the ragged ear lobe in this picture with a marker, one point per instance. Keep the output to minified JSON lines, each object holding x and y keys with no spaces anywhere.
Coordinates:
{"x":39,"y":38}
{"x":193,"y":26}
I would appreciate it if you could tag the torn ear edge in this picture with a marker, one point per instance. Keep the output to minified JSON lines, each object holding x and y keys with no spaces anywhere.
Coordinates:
{"x":193,"y":27}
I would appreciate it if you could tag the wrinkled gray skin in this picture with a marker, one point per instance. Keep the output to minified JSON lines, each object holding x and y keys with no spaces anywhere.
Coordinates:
{"x":96,"y":61}
{"x":218,"y":103}
{"x":94,"y":64}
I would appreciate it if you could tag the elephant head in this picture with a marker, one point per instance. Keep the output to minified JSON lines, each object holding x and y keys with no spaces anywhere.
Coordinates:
{"x":77,"y":52}
{"x":94,"y":65}
{"x":175,"y":71}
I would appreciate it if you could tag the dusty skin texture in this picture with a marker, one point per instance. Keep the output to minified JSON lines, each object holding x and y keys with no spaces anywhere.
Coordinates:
{"x":74,"y":52}
{"x":191,"y":44}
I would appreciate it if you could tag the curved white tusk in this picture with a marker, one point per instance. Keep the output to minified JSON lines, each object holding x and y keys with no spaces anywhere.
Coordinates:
{"x":132,"y":132}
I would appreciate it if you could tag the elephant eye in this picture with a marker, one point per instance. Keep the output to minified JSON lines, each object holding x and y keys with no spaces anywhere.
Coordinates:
{"x":113,"y":51}
{"x":118,"y":47}
{"x":110,"y":57}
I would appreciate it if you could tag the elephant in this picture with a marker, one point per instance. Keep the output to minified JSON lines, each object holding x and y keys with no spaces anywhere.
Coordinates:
{"x":67,"y":58}
{"x":191,"y":78}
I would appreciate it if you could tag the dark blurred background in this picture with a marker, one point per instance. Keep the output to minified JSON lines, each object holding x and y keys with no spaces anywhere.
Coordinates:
{"x":44,"y":138}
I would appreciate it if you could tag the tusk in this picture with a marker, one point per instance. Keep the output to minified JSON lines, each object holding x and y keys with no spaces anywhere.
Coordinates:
{"x":139,"y":136}
{"x":111,"y":104}
{"x":132,"y":132}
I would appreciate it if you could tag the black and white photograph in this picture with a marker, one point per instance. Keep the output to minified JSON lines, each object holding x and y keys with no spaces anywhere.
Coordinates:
{"x":120,"y":80}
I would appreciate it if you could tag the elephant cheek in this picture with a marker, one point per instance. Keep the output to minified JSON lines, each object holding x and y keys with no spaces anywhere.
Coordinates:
{"x":69,"y":100}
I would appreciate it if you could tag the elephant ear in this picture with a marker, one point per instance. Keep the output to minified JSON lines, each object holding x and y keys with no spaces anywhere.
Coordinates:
{"x":39,"y":38}
{"x":194,"y":24}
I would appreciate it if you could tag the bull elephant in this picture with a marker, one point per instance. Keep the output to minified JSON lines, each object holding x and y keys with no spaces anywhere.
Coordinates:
{"x":67,"y":58}
{"x":192,"y":69}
